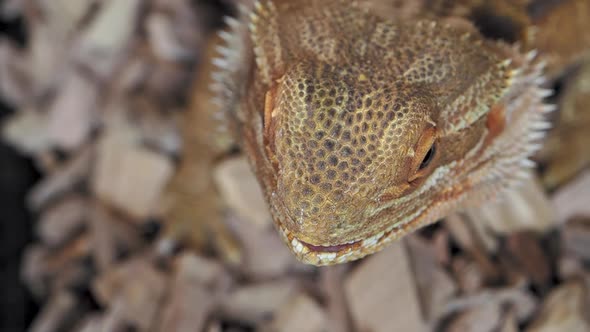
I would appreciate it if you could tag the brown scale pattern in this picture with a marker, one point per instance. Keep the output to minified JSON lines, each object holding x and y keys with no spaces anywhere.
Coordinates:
{"x":349,"y":137}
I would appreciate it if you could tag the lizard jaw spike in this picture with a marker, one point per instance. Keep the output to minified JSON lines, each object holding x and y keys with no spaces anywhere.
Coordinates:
{"x":506,"y":63}
{"x":542,"y":125}
{"x":536,"y":135}
{"x":531,"y":55}
{"x":243,"y":10}
{"x":226,"y":36}
{"x":223,"y":51}
{"x":549,"y":108}
{"x":544,"y":93}
{"x":527,"y":163}
{"x":231,"y":22}
{"x":220,"y":62}
{"x":228,"y":59}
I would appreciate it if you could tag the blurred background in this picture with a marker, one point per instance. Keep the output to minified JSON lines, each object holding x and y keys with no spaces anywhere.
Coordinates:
{"x":102,"y":144}
{"x":17,"y":175}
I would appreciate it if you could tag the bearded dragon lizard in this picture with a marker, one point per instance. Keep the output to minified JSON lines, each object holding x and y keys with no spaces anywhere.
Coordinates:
{"x":361,"y":129}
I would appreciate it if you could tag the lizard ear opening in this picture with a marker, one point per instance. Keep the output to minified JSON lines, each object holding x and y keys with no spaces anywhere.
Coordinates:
{"x":425,"y":154}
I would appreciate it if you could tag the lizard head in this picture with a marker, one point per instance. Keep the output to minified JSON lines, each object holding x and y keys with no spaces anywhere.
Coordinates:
{"x":408,"y":123}
{"x":353,"y":154}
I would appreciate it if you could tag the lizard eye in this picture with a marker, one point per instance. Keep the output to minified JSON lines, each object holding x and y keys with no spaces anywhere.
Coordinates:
{"x":425,"y":153}
{"x":428,"y":157}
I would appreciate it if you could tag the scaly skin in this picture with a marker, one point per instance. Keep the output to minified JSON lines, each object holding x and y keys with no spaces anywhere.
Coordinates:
{"x":361,"y":130}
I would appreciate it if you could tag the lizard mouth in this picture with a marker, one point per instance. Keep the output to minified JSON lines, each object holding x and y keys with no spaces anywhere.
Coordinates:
{"x":332,"y":254}
{"x":345,"y":252}
{"x":334,"y":248}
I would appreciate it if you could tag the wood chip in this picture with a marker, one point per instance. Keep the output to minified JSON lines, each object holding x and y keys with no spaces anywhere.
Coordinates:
{"x":469,"y":276}
{"x":483,"y":318}
{"x":576,"y":238}
{"x":569,"y":267}
{"x":522,"y":303}
{"x":458,"y":227}
{"x":336,"y":307}
{"x":255,"y":303}
{"x":300,"y":314}
{"x":486,"y":302}
{"x":34,"y":270}
{"x":73,"y":252}
{"x":476,"y":244}
{"x":64,"y":15}
{"x":434,"y":284}
{"x":441,"y":246}
{"x":524,"y":208}
{"x":47,"y":57}
{"x":128,"y":176}
{"x":157,"y":130}
{"x":525,"y":249}
{"x":111,"y":320}
{"x":241,"y":191}
{"x":103,"y":237}
{"x":265,"y":254}
{"x":53,"y":317}
{"x":14,"y":80}
{"x":564,"y":309}
{"x":27,"y":130}
{"x":139,"y":287}
{"x":382,"y":293}
{"x":91,"y":324}
{"x":560,"y":156}
{"x":187,"y":309}
{"x":60,"y":222}
{"x":163,"y":39}
{"x":510,"y":323}
{"x":572,"y":200}
{"x":72,"y":276}
{"x":62,"y":180}
{"x":198,"y":269}
{"x":194,"y":294}
{"x":72,"y":109}
{"x":103,"y":42}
